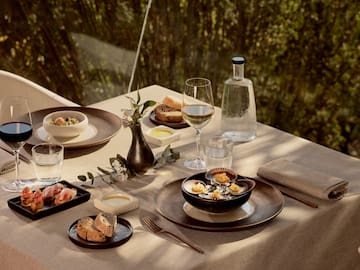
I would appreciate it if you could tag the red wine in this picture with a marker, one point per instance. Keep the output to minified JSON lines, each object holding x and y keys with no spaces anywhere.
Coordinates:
{"x":14,"y":132}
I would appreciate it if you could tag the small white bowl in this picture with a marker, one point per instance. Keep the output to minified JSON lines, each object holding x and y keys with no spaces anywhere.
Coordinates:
{"x":161,"y":135}
{"x":65,"y":131}
{"x":116,"y":203}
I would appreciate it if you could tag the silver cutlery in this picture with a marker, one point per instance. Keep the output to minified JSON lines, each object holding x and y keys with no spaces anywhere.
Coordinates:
{"x":155,"y":228}
{"x":21,"y":156}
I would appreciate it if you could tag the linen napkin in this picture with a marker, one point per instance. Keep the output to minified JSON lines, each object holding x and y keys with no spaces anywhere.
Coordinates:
{"x":304,"y":179}
{"x":7,"y":162}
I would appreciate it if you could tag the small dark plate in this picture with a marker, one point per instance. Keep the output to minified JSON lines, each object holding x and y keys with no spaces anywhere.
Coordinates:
{"x":81,"y":196}
{"x":122,"y":234}
{"x":179,"y":125}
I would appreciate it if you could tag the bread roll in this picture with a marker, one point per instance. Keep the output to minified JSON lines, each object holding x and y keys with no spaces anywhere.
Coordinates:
{"x":106,"y":223}
{"x":167,"y":114}
{"x":172,"y":102}
{"x":87,"y":231}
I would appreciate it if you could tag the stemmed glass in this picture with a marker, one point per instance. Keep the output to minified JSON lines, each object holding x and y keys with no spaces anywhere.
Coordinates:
{"x":15,"y":129}
{"x":197,"y":110}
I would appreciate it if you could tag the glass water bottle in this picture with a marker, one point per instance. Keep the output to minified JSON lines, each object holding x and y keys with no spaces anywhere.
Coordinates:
{"x":238,"y":105}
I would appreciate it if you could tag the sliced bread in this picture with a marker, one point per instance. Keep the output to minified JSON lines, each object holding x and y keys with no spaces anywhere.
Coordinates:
{"x":106,"y":223}
{"x":166,"y":113}
{"x":87,"y":231}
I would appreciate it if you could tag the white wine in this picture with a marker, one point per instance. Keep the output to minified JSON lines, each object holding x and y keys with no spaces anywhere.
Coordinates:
{"x":197,"y":115}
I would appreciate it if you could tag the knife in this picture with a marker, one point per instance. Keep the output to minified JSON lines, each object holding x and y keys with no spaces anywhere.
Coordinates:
{"x":21,"y":156}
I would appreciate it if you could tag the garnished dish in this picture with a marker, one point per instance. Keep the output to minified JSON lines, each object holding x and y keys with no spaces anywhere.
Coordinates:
{"x":39,"y":203}
{"x":52,"y":195}
{"x":218,"y":192}
{"x":65,"y":124}
{"x":67,"y":121}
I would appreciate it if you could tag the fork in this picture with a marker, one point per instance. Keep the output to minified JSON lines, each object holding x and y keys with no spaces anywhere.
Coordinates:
{"x":155,"y":228}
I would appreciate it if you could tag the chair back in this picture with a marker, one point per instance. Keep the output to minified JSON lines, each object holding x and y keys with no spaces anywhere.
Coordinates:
{"x":38,"y":96}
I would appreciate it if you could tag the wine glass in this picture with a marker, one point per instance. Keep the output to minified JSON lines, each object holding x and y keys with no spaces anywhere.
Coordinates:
{"x":197,"y":110}
{"x":15,"y":129}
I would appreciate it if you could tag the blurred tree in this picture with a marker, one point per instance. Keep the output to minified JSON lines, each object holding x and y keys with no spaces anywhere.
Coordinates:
{"x":303,"y":56}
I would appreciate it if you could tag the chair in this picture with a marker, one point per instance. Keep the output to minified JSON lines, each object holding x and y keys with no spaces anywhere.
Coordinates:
{"x":38,"y":96}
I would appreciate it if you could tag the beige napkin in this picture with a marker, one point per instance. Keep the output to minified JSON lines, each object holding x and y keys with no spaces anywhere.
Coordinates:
{"x":304,"y":179}
{"x":7,"y":162}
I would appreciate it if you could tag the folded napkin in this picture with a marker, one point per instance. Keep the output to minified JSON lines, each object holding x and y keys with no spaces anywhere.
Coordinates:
{"x":304,"y":179}
{"x":7,"y":162}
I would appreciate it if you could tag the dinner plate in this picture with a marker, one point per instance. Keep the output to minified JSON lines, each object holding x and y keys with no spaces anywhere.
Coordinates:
{"x":239,"y":213}
{"x":267,"y":200}
{"x":81,"y":196}
{"x":179,"y":125}
{"x":102,"y":127}
{"x":122,"y":234}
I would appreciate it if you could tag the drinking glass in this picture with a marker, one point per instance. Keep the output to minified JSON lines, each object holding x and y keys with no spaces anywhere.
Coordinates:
{"x":197,"y":110}
{"x":47,"y":161}
{"x":15,"y":129}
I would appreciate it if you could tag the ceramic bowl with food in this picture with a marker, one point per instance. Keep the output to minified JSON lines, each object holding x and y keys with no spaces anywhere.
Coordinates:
{"x":208,"y":195}
{"x":65,"y":124}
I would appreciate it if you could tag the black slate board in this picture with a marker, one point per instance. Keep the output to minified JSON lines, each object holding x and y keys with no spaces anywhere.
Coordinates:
{"x":81,"y":197}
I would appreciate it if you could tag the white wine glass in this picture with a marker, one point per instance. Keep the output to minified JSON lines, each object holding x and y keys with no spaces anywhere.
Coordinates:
{"x":15,"y":130}
{"x":197,"y":110}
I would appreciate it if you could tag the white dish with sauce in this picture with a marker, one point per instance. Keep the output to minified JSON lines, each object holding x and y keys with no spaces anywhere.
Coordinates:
{"x":116,"y":203}
{"x":161,"y":135}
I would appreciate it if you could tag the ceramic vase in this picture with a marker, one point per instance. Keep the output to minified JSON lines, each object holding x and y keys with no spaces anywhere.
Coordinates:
{"x":140,"y":157}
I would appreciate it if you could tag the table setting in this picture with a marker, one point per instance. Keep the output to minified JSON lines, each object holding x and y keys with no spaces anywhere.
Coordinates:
{"x":145,"y":201}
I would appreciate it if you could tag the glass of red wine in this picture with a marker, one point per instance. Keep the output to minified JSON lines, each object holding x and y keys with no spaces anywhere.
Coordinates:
{"x":15,"y":130}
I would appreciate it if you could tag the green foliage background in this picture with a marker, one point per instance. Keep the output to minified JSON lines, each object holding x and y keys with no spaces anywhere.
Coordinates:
{"x":302,"y":56}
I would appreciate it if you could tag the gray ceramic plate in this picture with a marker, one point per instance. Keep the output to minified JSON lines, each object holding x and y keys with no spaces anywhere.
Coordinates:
{"x":103,"y":126}
{"x":267,"y":200}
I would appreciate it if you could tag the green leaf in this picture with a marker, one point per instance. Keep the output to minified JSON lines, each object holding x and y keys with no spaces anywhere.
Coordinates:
{"x":147,"y":104}
{"x":104,"y":171}
{"x":82,"y":178}
{"x":91,"y":177}
{"x":138,"y":97}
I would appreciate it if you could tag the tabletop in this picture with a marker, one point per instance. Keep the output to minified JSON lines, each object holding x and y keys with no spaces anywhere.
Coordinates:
{"x":300,"y":237}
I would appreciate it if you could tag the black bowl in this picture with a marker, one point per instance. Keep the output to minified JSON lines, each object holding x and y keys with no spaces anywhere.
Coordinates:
{"x":221,"y":205}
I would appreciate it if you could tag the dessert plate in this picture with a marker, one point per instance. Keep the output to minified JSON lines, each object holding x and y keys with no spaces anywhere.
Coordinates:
{"x":102,"y":127}
{"x":122,"y":234}
{"x":242,"y":212}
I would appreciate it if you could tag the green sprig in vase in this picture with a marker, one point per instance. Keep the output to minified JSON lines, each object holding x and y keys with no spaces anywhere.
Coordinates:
{"x":140,"y":156}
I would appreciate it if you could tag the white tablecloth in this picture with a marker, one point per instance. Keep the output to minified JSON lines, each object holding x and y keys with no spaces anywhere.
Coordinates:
{"x":299,"y":238}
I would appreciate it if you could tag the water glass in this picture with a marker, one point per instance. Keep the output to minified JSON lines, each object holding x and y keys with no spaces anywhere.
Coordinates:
{"x":48,"y":160}
{"x":217,"y":152}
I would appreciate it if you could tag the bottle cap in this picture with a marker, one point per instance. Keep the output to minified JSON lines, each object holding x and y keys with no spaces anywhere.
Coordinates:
{"x":238,"y":60}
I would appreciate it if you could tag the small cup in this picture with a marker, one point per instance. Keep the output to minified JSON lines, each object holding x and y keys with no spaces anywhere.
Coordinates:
{"x":47,"y":161}
{"x":217,"y":152}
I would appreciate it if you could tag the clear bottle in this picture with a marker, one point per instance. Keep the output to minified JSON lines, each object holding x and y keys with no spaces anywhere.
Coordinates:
{"x":238,"y":109}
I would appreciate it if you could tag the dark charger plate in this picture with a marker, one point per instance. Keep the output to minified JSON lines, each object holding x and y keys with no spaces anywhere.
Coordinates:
{"x":81,"y":196}
{"x":122,"y":234}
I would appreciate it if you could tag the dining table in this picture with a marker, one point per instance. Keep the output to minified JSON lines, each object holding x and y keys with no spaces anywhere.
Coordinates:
{"x":297,"y":236}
